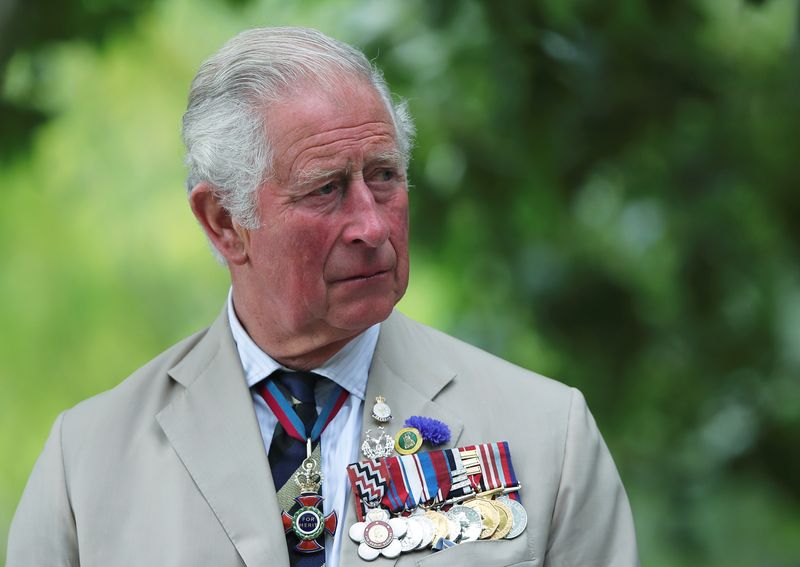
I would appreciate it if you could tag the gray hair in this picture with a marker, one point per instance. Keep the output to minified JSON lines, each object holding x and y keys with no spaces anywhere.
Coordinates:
{"x":227,"y":141}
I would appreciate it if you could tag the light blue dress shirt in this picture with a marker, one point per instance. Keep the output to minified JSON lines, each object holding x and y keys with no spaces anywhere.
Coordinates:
{"x":340,"y":441}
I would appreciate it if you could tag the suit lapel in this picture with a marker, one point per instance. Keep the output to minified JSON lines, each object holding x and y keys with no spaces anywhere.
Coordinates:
{"x":409,"y":376}
{"x":213,"y":429}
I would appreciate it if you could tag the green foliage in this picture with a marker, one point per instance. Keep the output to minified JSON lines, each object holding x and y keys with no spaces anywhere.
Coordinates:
{"x":604,"y":192}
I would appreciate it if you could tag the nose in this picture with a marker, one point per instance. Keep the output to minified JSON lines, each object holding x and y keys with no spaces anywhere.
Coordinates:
{"x":365,"y":221}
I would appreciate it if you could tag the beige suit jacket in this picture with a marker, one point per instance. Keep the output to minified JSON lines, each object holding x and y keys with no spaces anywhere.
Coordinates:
{"x":169,"y":468}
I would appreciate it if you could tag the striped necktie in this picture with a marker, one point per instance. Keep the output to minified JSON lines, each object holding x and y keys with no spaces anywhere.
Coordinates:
{"x":287,"y":453}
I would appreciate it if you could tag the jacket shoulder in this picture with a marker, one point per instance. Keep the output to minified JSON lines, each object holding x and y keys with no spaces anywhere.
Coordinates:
{"x":476,"y":368}
{"x":135,"y":400}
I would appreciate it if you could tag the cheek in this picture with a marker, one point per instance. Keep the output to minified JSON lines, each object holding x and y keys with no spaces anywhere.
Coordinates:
{"x":300,"y":273}
{"x":398,"y":216}
{"x":290,"y":259}
{"x":399,"y":239}
{"x":306,"y":256}
{"x":399,"y":230}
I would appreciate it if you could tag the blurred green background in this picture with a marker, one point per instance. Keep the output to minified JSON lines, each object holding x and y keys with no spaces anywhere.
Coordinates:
{"x":604,"y":192}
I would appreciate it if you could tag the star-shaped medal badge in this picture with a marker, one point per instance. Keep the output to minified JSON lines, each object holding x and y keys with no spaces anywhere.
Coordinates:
{"x":306,"y":519}
{"x":378,"y":535}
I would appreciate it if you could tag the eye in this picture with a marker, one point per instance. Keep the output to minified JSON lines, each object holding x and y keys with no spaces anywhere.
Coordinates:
{"x":326,"y":189}
{"x":384,"y":175}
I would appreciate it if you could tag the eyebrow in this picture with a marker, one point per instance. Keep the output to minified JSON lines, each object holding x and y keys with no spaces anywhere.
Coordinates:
{"x":317,"y":174}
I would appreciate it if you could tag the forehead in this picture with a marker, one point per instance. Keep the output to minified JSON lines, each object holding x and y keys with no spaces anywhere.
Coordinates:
{"x":319,"y":127}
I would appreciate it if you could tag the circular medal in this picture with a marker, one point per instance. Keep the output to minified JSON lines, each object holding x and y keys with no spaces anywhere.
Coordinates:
{"x":506,"y":520}
{"x":413,"y":537}
{"x":440,"y":525}
{"x":308,"y":523}
{"x":469,"y":520}
{"x":381,"y":412}
{"x":378,"y":537}
{"x":519,"y":515}
{"x":399,"y":526}
{"x":428,"y":529}
{"x":408,"y":441}
{"x":490,"y":517}
{"x":378,"y":534}
{"x":453,"y":529}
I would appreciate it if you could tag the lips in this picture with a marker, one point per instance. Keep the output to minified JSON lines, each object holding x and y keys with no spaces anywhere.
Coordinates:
{"x":364,"y":275}
{"x":356,"y":268}
{"x":361,"y":274}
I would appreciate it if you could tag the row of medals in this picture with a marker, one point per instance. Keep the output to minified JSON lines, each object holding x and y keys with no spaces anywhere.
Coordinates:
{"x":479,"y":518}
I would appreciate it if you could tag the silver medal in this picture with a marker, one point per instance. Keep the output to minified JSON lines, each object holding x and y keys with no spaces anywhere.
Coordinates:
{"x":519,"y":514}
{"x":428,"y":529}
{"x":453,"y":529}
{"x":378,"y":536}
{"x":413,"y":537}
{"x":469,"y":520}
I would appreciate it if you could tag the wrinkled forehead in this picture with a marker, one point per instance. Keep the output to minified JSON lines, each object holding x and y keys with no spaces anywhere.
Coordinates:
{"x":335,"y":90}
{"x":320,"y":126}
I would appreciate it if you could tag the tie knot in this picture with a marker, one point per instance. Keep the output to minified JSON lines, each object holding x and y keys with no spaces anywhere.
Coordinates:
{"x":300,"y":384}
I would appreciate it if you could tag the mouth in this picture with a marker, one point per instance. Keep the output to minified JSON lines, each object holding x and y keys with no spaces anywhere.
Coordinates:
{"x":363,"y":277}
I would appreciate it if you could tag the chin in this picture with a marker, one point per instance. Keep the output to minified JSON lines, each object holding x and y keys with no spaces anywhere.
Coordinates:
{"x":362,"y":316}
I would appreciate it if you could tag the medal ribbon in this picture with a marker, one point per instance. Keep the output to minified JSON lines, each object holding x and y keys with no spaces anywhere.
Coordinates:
{"x":460,"y":485}
{"x":503,"y":456}
{"x":496,"y":462}
{"x":289,"y":419}
{"x":412,"y":480}
{"x":475,"y":479}
{"x":490,"y":479}
{"x":430,"y":485}
{"x":368,"y":480}
{"x":497,"y":469}
{"x":396,"y":494}
{"x":442,"y":471}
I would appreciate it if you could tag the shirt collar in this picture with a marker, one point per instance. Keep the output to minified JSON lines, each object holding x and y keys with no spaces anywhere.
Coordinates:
{"x":349,"y":367}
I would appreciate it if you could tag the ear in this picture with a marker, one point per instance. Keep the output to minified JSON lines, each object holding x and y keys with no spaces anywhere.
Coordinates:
{"x":227,"y":236}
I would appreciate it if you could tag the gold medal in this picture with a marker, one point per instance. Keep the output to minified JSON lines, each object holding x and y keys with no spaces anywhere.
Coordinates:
{"x":506,"y":520}
{"x":440,"y":524}
{"x":408,"y":441}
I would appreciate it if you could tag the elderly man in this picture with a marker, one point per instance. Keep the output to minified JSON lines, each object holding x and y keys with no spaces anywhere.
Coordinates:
{"x":232,"y":447}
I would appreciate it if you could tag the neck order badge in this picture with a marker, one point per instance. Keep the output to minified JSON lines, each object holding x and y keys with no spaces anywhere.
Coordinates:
{"x":306,"y":519}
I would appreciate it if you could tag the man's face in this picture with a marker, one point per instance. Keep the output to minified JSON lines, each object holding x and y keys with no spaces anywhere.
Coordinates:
{"x":331,"y":255}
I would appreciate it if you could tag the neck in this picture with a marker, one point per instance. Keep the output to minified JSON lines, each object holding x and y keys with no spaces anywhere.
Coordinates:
{"x":296,"y":351}
{"x":309,"y":360}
